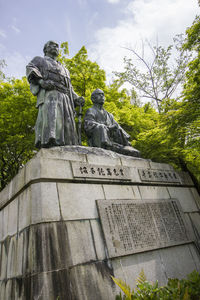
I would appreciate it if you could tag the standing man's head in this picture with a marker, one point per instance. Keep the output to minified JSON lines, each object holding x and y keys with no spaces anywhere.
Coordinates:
{"x":98,"y":97}
{"x":51,"y":49}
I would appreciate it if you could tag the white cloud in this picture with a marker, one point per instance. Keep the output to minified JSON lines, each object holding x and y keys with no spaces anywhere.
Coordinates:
{"x":144,"y":19}
{"x":15,"y":64}
{"x":2,"y":48}
{"x":15,"y":29}
{"x":68,"y":27}
{"x":82,"y":3}
{"x":2,"y":33}
{"x":113,"y":1}
{"x":92,"y":19}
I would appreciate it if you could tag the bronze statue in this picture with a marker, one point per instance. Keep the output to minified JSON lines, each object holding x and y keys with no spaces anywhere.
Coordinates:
{"x":103,"y":131}
{"x":56,"y":99}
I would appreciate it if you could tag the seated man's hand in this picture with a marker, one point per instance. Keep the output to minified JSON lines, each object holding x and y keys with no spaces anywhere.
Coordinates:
{"x":113,"y":127}
{"x":104,"y":127}
{"x":80,"y":101}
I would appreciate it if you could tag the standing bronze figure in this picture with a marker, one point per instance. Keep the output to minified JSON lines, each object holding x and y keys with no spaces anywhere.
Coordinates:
{"x":56,"y":99}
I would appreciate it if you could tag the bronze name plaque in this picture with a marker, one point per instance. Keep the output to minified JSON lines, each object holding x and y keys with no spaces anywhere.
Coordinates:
{"x":84,"y":170}
{"x":132,"y":226}
{"x":166,"y":176}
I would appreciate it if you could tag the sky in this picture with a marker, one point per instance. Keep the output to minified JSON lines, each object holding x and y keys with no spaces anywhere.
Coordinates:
{"x":104,"y":27}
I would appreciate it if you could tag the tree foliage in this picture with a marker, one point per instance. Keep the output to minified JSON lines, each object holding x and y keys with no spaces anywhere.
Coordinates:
{"x":190,"y":114}
{"x":86,"y":75}
{"x":159,"y":78}
{"x":17,"y":119}
{"x":184,"y":289}
{"x":2,"y":65}
{"x":191,"y":88}
{"x":174,"y":136}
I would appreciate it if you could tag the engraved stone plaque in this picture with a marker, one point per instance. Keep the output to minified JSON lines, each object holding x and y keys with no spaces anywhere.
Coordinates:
{"x":132,"y":226}
{"x":166,"y":176}
{"x":84,"y":170}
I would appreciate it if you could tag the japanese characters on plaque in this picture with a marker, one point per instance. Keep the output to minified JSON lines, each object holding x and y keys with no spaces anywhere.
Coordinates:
{"x":159,"y":176}
{"x":132,"y":226}
{"x":84,"y":170}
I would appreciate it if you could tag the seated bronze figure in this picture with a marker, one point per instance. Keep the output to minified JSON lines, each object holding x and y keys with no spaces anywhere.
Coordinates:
{"x":103,"y":131}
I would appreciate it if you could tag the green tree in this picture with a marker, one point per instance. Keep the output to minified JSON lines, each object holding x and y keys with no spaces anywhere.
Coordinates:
{"x":192,"y":84}
{"x":2,"y":65}
{"x":174,"y":135}
{"x":158,"y":79}
{"x":190,"y":114}
{"x":17,"y":119}
{"x":174,"y":139}
{"x":132,"y":118}
{"x":86,"y":75}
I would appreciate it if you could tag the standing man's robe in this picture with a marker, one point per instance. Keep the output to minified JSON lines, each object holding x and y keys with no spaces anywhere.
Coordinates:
{"x":55,"y":125}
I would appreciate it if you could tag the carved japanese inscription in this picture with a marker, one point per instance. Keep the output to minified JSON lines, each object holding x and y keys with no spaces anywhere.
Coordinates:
{"x":84,"y":170}
{"x":131,"y":226}
{"x":159,"y":176}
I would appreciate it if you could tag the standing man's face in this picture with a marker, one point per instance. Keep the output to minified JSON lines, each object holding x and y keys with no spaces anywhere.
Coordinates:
{"x":53,"y":49}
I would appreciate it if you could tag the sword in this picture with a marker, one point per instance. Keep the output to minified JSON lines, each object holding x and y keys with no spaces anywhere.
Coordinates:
{"x":79,"y":124}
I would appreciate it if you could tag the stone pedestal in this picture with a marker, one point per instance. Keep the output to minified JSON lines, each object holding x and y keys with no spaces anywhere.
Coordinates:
{"x":65,"y":225}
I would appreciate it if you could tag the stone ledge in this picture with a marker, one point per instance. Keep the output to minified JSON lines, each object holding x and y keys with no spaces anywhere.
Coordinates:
{"x":80,"y":152}
{"x":56,"y":164}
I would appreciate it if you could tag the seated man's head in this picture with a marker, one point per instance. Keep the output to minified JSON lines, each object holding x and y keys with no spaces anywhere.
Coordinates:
{"x":51,"y":48}
{"x":98,"y":97}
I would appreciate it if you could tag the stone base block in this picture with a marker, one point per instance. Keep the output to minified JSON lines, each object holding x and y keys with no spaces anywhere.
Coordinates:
{"x":52,"y":242}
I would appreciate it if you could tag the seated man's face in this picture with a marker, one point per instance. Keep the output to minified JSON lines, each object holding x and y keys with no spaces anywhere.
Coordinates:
{"x":99,"y":98}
